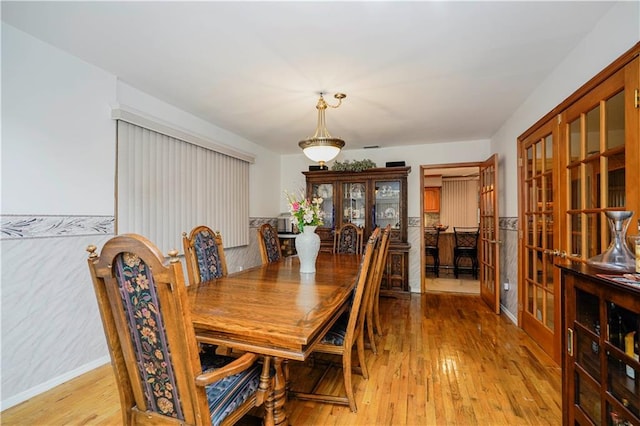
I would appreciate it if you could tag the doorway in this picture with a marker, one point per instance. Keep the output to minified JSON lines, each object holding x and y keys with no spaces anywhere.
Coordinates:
{"x":447,"y":187}
{"x":481,"y":220}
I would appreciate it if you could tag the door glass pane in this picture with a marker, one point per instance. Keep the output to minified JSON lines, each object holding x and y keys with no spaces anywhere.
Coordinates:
{"x":548,"y":179}
{"x":550,"y":303}
{"x":574,"y":141}
{"x":325,"y":191}
{"x":616,"y":185}
{"x":593,"y":131}
{"x":539,"y":197}
{"x":593,"y":235}
{"x":354,"y":203}
{"x":615,"y":120}
{"x":530,"y":219}
{"x":529,"y":164}
{"x":549,"y":236}
{"x":576,"y":244}
{"x":530,"y":298}
{"x":531,"y":199}
{"x":539,"y":297}
{"x":538,"y":150}
{"x":575,"y":188}
{"x":548,"y":156}
{"x":592,"y":184}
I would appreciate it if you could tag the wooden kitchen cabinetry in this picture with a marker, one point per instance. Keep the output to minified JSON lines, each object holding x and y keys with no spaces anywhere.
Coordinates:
{"x":601,"y":372}
{"x":371,"y":198}
{"x":432,"y":200}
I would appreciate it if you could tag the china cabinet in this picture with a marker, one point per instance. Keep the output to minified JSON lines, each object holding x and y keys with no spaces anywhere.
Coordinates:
{"x":601,"y":372}
{"x":371,"y":198}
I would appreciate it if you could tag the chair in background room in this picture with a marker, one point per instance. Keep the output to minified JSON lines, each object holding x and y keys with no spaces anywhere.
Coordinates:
{"x":154,"y":354}
{"x":269,"y":243}
{"x":431,"y":237}
{"x":465,"y":246}
{"x":347,"y":332}
{"x":348,"y":239}
{"x":204,"y":254}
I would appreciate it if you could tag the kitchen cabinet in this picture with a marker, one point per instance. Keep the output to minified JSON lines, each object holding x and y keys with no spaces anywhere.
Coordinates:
{"x":369,"y":199}
{"x":432,"y":200}
{"x":601,"y":372}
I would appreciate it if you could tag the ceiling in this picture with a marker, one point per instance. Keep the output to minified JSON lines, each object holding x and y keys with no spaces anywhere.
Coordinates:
{"x":414,"y":72}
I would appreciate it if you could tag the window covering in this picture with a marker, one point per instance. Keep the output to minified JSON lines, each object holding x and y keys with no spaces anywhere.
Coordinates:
{"x":459,"y":202}
{"x":166,"y":186}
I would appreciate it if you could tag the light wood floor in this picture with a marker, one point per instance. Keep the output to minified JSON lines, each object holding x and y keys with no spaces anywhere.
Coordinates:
{"x":444,"y":359}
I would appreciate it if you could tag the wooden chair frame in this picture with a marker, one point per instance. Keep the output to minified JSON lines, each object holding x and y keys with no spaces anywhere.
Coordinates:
{"x":191,"y":257}
{"x":354,"y":334}
{"x":264,"y":254}
{"x":348,"y":227}
{"x":180,"y":335}
{"x":373,"y":305}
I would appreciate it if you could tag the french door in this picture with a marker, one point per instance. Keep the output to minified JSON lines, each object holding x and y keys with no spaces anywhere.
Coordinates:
{"x":489,"y":252}
{"x":540,"y":290}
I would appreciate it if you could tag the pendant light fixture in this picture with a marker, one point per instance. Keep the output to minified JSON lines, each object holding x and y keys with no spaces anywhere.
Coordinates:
{"x":322,"y":147}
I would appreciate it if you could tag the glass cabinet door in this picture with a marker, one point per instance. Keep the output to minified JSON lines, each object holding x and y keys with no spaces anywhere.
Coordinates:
{"x":387,"y":207}
{"x":326,"y":192}
{"x":354,"y":203}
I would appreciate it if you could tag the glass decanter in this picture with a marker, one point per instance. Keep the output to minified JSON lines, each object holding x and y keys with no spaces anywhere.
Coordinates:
{"x":618,"y":257}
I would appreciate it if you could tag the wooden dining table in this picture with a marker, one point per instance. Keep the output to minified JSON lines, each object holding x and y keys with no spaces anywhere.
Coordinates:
{"x":275,"y":311}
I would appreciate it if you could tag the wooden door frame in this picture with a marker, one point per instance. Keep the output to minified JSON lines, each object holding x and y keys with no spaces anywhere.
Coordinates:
{"x":475,"y":164}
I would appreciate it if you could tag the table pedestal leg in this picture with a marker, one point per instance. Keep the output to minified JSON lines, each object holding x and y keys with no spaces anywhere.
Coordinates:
{"x":279,"y":393}
{"x":265,"y":392}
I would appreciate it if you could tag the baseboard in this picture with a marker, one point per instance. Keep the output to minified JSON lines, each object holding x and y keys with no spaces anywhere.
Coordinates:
{"x":50,"y":384}
{"x":508,"y":314}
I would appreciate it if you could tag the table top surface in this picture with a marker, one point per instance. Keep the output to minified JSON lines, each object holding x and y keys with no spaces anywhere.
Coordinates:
{"x":274,"y":309}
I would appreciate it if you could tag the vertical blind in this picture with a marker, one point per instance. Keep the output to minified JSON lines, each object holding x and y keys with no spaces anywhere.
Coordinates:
{"x":166,"y":186}
{"x":459,"y":202}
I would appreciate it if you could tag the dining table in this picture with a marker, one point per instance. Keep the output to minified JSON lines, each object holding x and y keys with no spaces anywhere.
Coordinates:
{"x":275,"y":311}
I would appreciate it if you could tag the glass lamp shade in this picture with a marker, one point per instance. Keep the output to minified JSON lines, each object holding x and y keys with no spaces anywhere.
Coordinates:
{"x":321,"y":150}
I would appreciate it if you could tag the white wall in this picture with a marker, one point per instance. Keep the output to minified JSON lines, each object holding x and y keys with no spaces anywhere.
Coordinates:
{"x":615,"y":33}
{"x":58,"y":174}
{"x":57,"y":137}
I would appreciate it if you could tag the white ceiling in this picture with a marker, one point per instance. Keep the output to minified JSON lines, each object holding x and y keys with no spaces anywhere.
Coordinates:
{"x":414,"y":72}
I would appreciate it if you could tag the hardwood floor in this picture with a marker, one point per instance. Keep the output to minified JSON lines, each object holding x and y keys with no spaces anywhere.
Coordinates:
{"x":444,"y":359}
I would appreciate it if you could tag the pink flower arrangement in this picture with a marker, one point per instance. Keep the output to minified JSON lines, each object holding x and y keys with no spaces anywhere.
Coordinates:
{"x":304,"y":211}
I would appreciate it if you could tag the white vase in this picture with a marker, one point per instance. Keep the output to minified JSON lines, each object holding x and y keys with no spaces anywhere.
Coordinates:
{"x":307,"y":247}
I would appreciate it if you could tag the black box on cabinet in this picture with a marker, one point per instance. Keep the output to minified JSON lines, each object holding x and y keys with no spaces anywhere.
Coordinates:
{"x":316,"y":168}
{"x":395,"y":164}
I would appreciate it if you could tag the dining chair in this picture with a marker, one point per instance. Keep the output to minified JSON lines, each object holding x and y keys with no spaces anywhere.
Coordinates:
{"x":160,"y":375}
{"x":431,"y":237}
{"x":204,"y":254}
{"x":348,"y":239}
{"x":269,"y":243}
{"x":465,"y":246}
{"x":348,"y":331}
{"x":373,"y":306}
